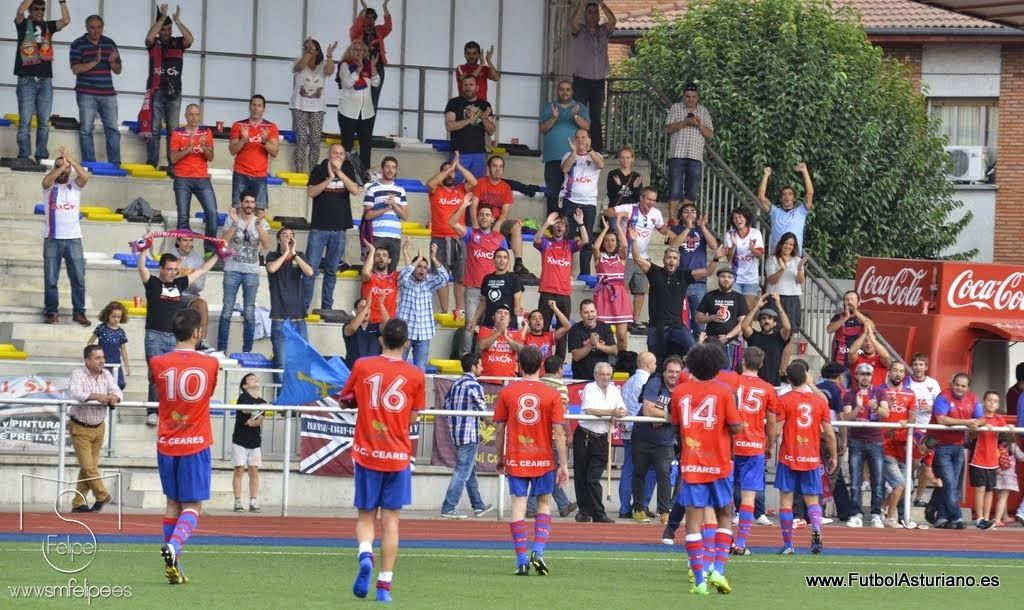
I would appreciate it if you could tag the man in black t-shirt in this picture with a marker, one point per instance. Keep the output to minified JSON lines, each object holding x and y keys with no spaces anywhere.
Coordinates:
{"x":470,"y":122}
{"x":500,"y":289}
{"x":166,"y":59}
{"x":33,"y":65}
{"x":667,"y":333}
{"x":771,"y":338}
{"x":590,"y":342}
{"x":286,"y":270}
{"x":247,"y":441}
{"x":331,"y":184}
{"x":163,"y":300}
{"x":722,"y":310}
{"x":361,"y":337}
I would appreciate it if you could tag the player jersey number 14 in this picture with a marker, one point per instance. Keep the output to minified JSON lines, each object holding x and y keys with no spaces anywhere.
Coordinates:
{"x":704,"y":413}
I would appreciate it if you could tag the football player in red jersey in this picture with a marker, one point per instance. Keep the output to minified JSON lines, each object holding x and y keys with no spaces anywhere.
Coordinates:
{"x":804,"y":417}
{"x":705,"y":412}
{"x":185,"y":380}
{"x":388,"y":392}
{"x":530,"y":413}
{"x":756,"y":401}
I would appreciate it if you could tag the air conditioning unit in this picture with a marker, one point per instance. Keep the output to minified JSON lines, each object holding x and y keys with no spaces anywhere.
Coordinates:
{"x":969,"y":163}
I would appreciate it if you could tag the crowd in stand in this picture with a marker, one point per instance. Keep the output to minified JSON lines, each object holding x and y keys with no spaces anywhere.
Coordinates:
{"x":476,"y":246}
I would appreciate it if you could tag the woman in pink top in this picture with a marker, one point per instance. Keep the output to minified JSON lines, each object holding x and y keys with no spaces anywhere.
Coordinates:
{"x":610,"y":296}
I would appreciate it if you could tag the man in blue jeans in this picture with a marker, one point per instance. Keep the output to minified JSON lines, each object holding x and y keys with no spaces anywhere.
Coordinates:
{"x":466,"y":394}
{"x":33,"y":65}
{"x":286,"y":270}
{"x":94,"y":57}
{"x":866,"y":404}
{"x":62,"y":236}
{"x":166,"y":60}
{"x":247,"y":233}
{"x":689,"y":127}
{"x":693,"y":237}
{"x":646,"y":364}
{"x":331,"y":185}
{"x":191,"y":151}
{"x":956,"y":406}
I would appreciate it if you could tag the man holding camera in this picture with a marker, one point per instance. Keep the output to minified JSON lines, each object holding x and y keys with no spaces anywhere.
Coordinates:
{"x":689,"y":126}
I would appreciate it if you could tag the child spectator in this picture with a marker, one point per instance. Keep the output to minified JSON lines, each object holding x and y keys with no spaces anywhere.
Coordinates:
{"x":114,"y":341}
{"x":246,"y":442}
{"x":1006,"y":478}
{"x":985,"y":463}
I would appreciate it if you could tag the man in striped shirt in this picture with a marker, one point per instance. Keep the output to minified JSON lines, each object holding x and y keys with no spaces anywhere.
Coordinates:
{"x":417,"y":283}
{"x":385,"y":206}
{"x":94,"y":57}
{"x":466,"y":394}
{"x":91,"y":383}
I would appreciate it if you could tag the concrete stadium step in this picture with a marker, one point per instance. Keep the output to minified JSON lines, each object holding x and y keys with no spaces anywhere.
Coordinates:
{"x":143,"y":490}
{"x":33,"y":297}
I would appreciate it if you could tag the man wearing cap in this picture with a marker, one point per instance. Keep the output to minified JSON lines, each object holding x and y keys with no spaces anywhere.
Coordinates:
{"x":722,"y":310}
{"x":689,"y":127}
{"x":771,"y":337}
{"x":863,"y":404}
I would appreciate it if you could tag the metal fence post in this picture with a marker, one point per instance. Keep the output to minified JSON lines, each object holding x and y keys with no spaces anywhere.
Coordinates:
{"x":61,"y":458}
{"x":286,"y":470}
{"x":908,"y":488}
{"x":421,"y":101}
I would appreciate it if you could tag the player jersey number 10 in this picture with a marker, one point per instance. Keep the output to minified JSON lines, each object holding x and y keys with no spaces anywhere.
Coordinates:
{"x":393,"y":399}
{"x":704,"y":413}
{"x":189,"y":384}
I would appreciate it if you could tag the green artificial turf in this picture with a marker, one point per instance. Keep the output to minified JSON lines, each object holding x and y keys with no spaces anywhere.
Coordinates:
{"x":314,"y":577}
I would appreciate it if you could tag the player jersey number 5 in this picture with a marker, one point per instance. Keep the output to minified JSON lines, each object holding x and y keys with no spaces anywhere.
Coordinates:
{"x":393,"y":399}
{"x":703,"y":413}
{"x":189,"y":384}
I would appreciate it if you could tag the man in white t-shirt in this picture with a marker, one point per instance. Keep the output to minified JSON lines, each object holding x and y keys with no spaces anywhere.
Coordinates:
{"x":62,"y":236}
{"x":790,"y":215}
{"x":925,"y":389}
{"x":646,"y":219}
{"x":582,"y":168}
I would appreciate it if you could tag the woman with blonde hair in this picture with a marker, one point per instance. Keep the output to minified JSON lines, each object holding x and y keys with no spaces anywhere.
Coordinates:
{"x":356,"y":75}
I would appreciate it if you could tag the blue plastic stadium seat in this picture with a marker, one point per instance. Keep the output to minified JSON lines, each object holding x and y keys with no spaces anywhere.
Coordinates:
{"x":440,"y":145}
{"x":252,"y":360}
{"x":222,"y":217}
{"x":130,"y":260}
{"x":431,"y":369}
{"x":412,"y":185}
{"x":589,"y":280}
{"x":272,"y":180}
{"x":5,"y":123}
{"x":40,"y":209}
{"x":288,"y":135}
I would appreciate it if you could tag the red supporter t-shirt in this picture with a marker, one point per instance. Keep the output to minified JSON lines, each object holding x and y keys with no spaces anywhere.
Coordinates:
{"x":880,"y":372}
{"x":529,"y":409}
{"x":556,"y":265}
{"x":499,"y":360}
{"x":704,"y":410}
{"x":481,"y":78}
{"x":493,"y":196}
{"x":545,"y":342}
{"x":378,"y":283}
{"x":192,"y":165}
{"x":480,"y":247}
{"x":185,"y":380}
{"x":901,"y":402}
{"x":801,"y":413}
{"x":386,"y":392}
{"x":253,"y":159}
{"x":986,"y":451}
{"x":755,"y":399}
{"x":443,"y":203}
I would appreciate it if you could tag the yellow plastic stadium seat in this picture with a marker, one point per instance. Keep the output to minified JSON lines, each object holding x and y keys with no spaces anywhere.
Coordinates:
{"x":296,"y":182}
{"x":447,"y":320}
{"x":128,"y":302}
{"x":275,"y":225}
{"x":110,"y":217}
{"x":330,"y":141}
{"x":94,"y":209}
{"x":348,"y":274}
{"x":148,"y":174}
{"x":136,"y":311}
{"x":420,"y":232}
{"x":14,"y":118}
{"x":293,"y":176}
{"x":137,"y":166}
{"x":498,"y":150}
{"x":620,"y":376}
{"x":313,"y":318}
{"x":9,"y":352}
{"x":447,"y":367}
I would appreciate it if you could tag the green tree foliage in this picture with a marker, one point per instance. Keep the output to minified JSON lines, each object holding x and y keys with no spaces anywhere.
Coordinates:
{"x":795,"y":80}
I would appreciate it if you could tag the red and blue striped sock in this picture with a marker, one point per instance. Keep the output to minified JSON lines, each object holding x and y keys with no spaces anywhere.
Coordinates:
{"x":746,"y":516}
{"x":187,"y":522}
{"x":723,"y":538}
{"x":707,"y":533}
{"x":541,"y":531}
{"x":169,"y":525}
{"x":786,"y":523}
{"x":519,"y":534}
{"x":814,"y":516}
{"x":695,"y":550}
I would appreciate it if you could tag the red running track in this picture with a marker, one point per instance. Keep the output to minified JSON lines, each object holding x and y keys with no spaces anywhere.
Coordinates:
{"x":1000,"y":540}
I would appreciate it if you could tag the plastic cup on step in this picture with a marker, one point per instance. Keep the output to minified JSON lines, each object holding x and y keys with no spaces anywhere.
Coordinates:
{"x":802,"y":347}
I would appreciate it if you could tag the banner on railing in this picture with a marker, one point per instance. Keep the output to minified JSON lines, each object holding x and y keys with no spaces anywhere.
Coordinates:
{"x":325,"y":441}
{"x":31,"y":428}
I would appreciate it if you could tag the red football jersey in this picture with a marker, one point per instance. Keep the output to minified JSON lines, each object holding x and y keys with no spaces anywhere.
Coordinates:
{"x":386,"y":391}
{"x":986,"y":452}
{"x":731,"y":379}
{"x":545,"y":342}
{"x":801,"y":413}
{"x":443,"y":203}
{"x":378,"y":283}
{"x":480,"y":247}
{"x":901,"y":401}
{"x":529,"y":408}
{"x":185,"y":380}
{"x":755,"y":399}
{"x":704,"y":410}
{"x":499,"y":360}
{"x":556,"y":265}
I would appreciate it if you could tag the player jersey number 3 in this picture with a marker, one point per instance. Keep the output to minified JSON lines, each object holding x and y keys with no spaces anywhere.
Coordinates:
{"x":528,"y":412}
{"x":189,"y":384}
{"x":393,"y":399}
{"x":703,"y":413}
{"x":803,"y":420}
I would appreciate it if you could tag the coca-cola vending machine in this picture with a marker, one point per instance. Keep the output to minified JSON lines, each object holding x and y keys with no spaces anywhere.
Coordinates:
{"x":967,"y":317}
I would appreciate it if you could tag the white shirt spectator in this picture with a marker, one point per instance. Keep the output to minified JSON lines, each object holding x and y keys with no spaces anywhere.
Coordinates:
{"x":631,"y":396}
{"x":352,"y":102}
{"x":688,"y":142}
{"x":744,"y":261}
{"x":594,"y":398}
{"x":246,"y":244}
{"x":580,"y":185}
{"x":62,"y":205}
{"x":645,"y":225}
{"x":787,"y":284}
{"x":925,"y":391}
{"x":308,"y":89}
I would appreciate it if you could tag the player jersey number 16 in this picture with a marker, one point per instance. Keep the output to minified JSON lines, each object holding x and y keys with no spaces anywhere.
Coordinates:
{"x":393,"y":398}
{"x":704,"y":413}
{"x":189,"y":384}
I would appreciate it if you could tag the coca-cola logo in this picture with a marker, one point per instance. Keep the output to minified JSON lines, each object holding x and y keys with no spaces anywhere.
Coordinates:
{"x":995,"y":294}
{"x":903,"y":289}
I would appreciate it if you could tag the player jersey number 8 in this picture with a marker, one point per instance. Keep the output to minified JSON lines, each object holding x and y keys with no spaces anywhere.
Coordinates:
{"x":704,"y":413}
{"x":393,"y":399}
{"x":527,"y":413}
{"x":190,"y":385}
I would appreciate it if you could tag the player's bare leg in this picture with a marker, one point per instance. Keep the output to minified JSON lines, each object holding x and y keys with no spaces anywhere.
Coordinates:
{"x":459,"y":290}
{"x":180,"y":520}
{"x":541,"y":531}
{"x":746,"y":518}
{"x":695,"y":548}
{"x":723,"y":538}
{"x":388,"y":552}
{"x":364,"y":537}
{"x":814,"y":519}
{"x":517,"y":526}
{"x":254,"y":489}
{"x":442,"y":298}
{"x":786,"y":522}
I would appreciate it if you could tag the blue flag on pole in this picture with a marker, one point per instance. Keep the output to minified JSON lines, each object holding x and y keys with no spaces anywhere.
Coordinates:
{"x":307,"y":377}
